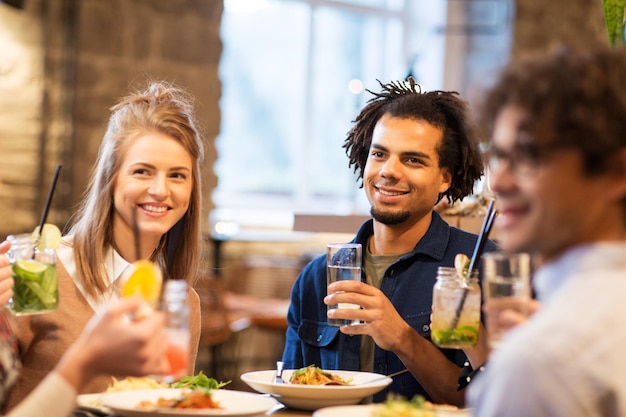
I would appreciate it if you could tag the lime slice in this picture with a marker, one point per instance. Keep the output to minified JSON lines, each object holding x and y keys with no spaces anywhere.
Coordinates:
{"x":145,"y":281}
{"x":30,"y":265}
{"x":50,"y":236}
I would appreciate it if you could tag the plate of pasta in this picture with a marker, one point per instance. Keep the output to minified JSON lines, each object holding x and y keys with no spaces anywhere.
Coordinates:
{"x":308,"y":394}
{"x":177,"y":402}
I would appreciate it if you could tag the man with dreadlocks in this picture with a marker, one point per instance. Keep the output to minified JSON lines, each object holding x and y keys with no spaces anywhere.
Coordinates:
{"x":411,"y":149}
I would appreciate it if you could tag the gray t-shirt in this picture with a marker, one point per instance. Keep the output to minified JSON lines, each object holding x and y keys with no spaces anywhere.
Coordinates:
{"x":375,"y":267}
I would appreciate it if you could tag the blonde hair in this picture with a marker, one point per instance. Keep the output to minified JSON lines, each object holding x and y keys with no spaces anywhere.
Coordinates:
{"x":161,"y":108}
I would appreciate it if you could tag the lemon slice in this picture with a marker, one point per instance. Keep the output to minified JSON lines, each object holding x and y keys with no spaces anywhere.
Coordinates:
{"x":50,"y":236}
{"x":461,"y":263}
{"x":145,"y":281}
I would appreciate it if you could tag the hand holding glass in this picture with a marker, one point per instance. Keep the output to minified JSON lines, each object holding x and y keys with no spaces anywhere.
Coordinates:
{"x":343,"y":263}
{"x":506,"y":286}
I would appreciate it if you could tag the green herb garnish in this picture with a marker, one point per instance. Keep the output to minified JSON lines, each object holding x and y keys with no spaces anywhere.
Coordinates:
{"x":200,"y":381}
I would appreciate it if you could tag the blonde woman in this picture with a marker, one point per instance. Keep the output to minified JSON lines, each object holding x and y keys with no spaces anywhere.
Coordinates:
{"x":148,"y":166}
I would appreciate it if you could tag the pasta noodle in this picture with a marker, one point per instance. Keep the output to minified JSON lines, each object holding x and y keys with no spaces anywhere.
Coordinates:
{"x":312,"y":375}
{"x":134,"y":383}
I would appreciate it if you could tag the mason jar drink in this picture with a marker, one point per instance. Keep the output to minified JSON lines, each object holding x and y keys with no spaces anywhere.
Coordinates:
{"x":456,"y":310}
{"x":35,"y":289}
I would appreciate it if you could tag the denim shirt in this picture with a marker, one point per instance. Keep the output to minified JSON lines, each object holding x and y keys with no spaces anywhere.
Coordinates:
{"x":408,"y":283}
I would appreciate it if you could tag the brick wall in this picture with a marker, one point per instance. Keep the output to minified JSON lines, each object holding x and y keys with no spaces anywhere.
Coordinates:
{"x":70,"y":60}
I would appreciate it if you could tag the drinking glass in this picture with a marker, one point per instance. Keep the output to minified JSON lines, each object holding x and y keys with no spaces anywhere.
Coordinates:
{"x":343,"y":263}
{"x":456,"y":310}
{"x":506,"y":285}
{"x":176,"y":307}
{"x":35,"y":289}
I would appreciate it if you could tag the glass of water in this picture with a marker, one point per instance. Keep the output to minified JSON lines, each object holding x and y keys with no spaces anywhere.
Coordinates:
{"x":506,"y":285}
{"x":343,"y":262}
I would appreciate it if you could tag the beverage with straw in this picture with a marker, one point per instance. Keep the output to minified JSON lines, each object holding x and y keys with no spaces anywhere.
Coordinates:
{"x":457,"y":296}
{"x":35,"y":289}
{"x":447,"y":330}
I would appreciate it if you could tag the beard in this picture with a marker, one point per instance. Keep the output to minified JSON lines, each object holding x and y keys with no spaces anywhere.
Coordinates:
{"x":389,"y":217}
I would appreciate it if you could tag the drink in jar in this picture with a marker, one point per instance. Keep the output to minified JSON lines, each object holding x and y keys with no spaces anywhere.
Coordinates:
{"x":35,"y":289}
{"x":451,"y":291}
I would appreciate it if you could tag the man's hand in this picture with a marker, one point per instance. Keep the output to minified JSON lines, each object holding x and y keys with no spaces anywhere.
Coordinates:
{"x":507,"y":312}
{"x":380,"y":319}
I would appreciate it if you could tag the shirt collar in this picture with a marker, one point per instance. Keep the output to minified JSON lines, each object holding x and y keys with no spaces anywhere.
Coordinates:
{"x":115,"y":266}
{"x":578,"y":261}
{"x":433,"y":243}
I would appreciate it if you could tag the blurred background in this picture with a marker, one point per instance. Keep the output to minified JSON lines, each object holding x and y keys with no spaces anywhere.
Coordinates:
{"x":277,"y":84}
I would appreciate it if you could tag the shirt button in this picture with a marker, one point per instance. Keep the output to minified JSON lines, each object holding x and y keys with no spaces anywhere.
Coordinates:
{"x":425,"y":327}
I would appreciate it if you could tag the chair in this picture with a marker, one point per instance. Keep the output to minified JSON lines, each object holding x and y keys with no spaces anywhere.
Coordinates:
{"x":265,"y":276}
{"x":217,"y":326}
{"x":260,"y":291}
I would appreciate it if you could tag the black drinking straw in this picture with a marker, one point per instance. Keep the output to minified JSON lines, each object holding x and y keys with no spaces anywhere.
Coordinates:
{"x":136,"y":235}
{"x":46,"y":207}
{"x":478,"y":250}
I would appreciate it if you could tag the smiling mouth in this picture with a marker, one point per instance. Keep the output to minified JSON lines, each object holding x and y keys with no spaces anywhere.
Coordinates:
{"x":154,"y":209}
{"x":390,"y":193}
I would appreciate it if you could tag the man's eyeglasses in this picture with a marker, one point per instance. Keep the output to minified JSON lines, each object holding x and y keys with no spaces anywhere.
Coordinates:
{"x":522,"y":159}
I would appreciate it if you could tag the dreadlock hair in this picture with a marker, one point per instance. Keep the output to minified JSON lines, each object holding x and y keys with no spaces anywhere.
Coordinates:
{"x":458,"y":150}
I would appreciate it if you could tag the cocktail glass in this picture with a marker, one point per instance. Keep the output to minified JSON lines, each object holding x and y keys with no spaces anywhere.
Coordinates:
{"x":35,"y":289}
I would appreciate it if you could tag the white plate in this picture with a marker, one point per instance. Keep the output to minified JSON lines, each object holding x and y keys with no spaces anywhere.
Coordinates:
{"x":312,"y":397}
{"x":91,"y":402}
{"x":366,"y":411}
{"x":233,"y":403}
{"x":345,"y":410}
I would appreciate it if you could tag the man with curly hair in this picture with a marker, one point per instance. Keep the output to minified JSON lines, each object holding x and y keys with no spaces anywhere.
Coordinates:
{"x":410,"y":149}
{"x":558,"y":168}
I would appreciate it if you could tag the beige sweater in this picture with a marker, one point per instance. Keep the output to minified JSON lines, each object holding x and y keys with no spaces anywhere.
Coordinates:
{"x":53,"y":397}
{"x":44,"y":338}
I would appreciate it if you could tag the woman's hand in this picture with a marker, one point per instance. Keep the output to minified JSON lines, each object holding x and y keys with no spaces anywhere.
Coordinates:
{"x":112,"y":344}
{"x":6,"y":274}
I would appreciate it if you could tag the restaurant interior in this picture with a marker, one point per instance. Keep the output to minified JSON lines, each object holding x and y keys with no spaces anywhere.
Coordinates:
{"x":64,"y":62}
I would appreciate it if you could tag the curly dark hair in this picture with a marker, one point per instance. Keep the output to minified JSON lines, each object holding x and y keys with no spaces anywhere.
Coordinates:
{"x":458,"y":150}
{"x":574,"y":97}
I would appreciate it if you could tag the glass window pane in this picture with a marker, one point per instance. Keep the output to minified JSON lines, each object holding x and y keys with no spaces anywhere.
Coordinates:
{"x":263,"y":72}
{"x":289,"y":70}
{"x":355,"y":49}
{"x":388,"y":4}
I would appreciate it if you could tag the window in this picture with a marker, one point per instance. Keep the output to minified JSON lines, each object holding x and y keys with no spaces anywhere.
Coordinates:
{"x":293,"y":74}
